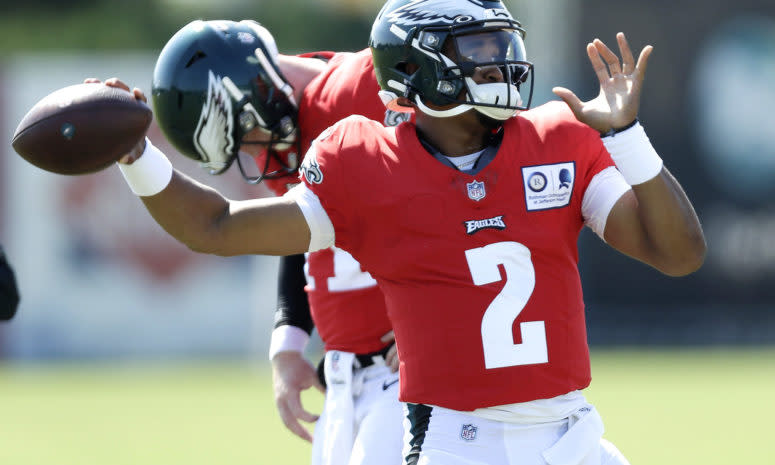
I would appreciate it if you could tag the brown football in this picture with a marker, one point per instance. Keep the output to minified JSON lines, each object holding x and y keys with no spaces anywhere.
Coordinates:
{"x":81,"y":128}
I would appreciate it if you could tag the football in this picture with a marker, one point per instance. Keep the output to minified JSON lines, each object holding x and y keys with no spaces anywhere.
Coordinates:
{"x":81,"y":128}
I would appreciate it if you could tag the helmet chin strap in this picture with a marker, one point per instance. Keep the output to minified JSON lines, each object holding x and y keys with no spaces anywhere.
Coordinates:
{"x":454,"y":111}
{"x":494,"y":93}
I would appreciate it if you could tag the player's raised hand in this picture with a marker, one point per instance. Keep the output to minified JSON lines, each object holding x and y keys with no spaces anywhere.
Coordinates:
{"x":621,"y":81}
{"x":292,"y":374}
{"x":135,"y":153}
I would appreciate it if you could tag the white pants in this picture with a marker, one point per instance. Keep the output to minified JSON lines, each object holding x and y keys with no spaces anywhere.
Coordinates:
{"x":365,"y":427}
{"x":438,"y":436}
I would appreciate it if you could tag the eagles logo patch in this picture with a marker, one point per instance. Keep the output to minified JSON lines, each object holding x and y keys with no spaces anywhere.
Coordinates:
{"x":310,"y":168}
{"x":394,"y":118}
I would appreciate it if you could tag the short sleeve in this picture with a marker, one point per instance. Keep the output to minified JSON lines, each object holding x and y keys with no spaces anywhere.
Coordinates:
{"x":323,"y":174}
{"x":602,"y":193}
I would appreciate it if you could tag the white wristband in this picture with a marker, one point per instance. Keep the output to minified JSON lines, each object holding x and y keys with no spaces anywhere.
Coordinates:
{"x":633,"y":154}
{"x":150,"y":173}
{"x":287,"y":338}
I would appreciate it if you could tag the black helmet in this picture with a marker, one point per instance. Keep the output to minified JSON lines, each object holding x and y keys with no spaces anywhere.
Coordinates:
{"x":408,"y":41}
{"x":214,"y":82}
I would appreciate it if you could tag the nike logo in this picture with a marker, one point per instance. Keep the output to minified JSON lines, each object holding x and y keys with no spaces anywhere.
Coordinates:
{"x":386,"y":385}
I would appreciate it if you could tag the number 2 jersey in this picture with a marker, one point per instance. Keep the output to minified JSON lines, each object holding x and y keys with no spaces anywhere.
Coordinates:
{"x":479,"y":271}
{"x":347,"y":307}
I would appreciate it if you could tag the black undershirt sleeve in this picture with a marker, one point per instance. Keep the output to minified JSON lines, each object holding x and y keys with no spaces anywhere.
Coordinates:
{"x":292,"y":303}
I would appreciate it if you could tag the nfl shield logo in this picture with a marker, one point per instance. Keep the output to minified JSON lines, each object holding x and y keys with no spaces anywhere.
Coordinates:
{"x":468,"y":433}
{"x":476,"y":190}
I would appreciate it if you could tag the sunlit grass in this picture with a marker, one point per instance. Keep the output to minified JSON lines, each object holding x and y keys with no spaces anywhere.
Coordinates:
{"x":709,"y":407}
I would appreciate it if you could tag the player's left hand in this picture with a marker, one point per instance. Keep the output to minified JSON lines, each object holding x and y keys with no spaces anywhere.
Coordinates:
{"x":391,"y":357}
{"x":291,"y":375}
{"x":620,"y":85}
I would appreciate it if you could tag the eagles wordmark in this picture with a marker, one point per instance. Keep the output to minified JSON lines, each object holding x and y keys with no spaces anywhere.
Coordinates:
{"x":495,"y":222}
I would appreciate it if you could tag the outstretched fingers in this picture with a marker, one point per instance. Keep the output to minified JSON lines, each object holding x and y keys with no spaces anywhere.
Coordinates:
{"x":628,"y":62}
{"x":643,"y":61}
{"x":601,"y":70}
{"x":609,"y":56}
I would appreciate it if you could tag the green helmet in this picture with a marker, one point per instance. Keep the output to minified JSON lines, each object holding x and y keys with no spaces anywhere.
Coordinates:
{"x":214,"y":82}
{"x":428,"y":51}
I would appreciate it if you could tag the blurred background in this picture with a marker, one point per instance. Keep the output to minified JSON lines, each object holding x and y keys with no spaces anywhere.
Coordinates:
{"x":114,"y":312}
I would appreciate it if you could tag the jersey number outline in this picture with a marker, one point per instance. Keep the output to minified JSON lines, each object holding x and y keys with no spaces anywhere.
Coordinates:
{"x":497,"y":338}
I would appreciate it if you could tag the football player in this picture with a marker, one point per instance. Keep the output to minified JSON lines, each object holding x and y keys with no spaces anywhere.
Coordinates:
{"x":223,"y":93}
{"x":468,"y":219}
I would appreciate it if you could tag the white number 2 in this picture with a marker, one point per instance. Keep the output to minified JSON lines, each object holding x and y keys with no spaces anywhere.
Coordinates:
{"x":497,"y":338}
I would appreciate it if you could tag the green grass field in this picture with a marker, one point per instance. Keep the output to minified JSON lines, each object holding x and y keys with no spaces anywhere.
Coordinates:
{"x":708,"y":407}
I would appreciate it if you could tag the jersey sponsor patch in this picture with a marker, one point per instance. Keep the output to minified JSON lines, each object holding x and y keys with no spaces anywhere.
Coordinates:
{"x":548,"y":186}
{"x":473,"y":226}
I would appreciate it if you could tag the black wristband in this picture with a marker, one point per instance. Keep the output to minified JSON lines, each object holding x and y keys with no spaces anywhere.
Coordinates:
{"x":614,"y":131}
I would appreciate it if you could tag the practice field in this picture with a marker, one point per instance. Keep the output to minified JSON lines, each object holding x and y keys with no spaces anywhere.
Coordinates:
{"x":701,"y":406}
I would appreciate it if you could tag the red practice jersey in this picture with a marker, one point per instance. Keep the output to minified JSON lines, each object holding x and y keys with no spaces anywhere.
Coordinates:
{"x":347,"y":307}
{"x":479,"y":271}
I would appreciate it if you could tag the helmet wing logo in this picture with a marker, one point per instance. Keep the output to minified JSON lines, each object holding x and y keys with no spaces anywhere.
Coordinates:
{"x":422,"y":11}
{"x":213,"y":137}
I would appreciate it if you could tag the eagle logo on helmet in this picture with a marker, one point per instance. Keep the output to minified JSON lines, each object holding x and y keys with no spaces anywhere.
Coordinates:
{"x":421,"y":11}
{"x":213,"y":135}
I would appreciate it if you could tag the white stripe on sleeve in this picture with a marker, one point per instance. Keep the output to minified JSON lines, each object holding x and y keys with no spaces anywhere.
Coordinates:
{"x":320,"y":227}
{"x":604,"y":190}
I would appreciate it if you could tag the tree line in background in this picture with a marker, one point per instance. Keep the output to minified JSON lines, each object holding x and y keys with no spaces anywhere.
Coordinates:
{"x":52,"y":25}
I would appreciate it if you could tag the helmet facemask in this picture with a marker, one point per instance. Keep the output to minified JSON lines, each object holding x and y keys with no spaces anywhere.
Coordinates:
{"x":276,"y":121}
{"x":279,"y":158}
{"x":463,"y":54}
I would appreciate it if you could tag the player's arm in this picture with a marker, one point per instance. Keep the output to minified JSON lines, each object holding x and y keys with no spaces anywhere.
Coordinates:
{"x":203,"y":219}
{"x":291,"y":372}
{"x":653,"y":222}
{"x":656,"y":224}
